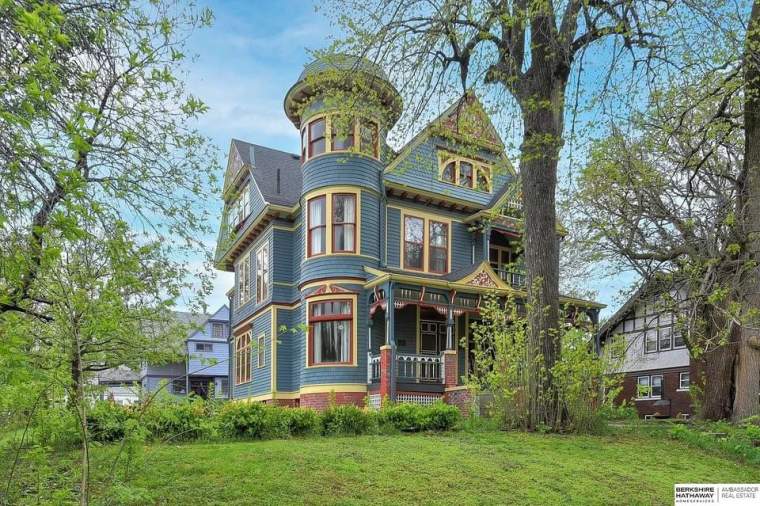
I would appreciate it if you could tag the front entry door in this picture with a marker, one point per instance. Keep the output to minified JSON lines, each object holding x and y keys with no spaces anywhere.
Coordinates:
{"x":432,"y":337}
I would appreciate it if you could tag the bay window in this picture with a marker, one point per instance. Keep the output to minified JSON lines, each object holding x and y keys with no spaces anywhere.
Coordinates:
{"x":344,"y":222}
{"x":439,"y":242}
{"x":330,"y":332}
{"x":262,"y":273}
{"x":317,"y":226}
{"x":243,"y":358}
{"x":414,"y":242}
{"x":370,"y":138}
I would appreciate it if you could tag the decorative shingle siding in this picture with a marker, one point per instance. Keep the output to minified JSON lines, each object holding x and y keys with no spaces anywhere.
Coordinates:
{"x":420,"y":170}
{"x":261,"y":377}
{"x":340,"y":169}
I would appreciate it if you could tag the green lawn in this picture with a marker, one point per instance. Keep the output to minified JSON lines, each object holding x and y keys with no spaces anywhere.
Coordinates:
{"x":480,"y":468}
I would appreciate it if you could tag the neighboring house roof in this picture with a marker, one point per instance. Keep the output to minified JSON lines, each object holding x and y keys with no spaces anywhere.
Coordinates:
{"x":644,"y":290}
{"x":118,"y":374}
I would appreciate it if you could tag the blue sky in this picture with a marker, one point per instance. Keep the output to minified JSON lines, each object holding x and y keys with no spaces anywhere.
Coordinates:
{"x":245,"y":64}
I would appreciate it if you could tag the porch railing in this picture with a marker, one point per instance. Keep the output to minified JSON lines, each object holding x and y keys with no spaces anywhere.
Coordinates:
{"x":373,"y":371}
{"x":419,"y":368}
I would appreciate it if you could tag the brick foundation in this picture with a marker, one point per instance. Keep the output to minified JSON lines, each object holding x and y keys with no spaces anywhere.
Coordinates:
{"x":460,"y":398}
{"x":680,"y":401}
{"x":321,"y":401}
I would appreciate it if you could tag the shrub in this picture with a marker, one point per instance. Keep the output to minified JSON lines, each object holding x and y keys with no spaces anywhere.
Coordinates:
{"x":179,"y":420}
{"x":56,"y":427}
{"x":242,"y":420}
{"x":347,"y":420}
{"x":302,"y":421}
{"x":106,"y":421}
{"x":736,"y":440}
{"x":414,"y":417}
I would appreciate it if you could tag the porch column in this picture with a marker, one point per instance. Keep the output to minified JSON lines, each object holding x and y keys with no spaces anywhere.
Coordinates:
{"x":450,"y":354}
{"x":388,"y":350}
{"x":486,"y":242}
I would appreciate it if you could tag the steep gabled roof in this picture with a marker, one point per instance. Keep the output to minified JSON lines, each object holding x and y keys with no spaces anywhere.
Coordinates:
{"x":277,"y":173}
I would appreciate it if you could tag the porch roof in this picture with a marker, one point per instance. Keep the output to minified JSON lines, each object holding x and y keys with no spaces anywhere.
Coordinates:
{"x":479,"y":278}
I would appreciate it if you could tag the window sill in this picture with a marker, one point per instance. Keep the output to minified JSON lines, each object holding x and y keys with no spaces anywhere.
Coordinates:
{"x":648,"y":399}
{"x":682,"y":390}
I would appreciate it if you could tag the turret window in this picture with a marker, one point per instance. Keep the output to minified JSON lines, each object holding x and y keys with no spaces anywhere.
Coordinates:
{"x":464,"y":172}
{"x":317,"y":139}
{"x":333,"y":222}
{"x":332,"y":133}
{"x":317,"y":226}
{"x":344,"y":222}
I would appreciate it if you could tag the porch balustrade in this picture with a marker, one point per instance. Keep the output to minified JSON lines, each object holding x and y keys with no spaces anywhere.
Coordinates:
{"x":410,"y":368}
{"x":512,"y":277}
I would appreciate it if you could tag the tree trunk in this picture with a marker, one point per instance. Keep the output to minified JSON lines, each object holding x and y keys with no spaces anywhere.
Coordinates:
{"x":748,"y":363}
{"x":538,"y":172}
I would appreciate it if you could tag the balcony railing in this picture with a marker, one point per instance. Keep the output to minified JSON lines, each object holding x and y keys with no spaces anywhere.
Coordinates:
{"x":513,"y":277}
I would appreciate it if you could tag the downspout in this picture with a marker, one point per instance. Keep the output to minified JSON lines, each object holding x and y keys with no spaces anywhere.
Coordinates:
{"x":381,"y":233}
{"x":230,"y":351}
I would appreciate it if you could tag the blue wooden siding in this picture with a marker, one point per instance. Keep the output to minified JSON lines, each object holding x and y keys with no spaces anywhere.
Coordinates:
{"x":251,"y":306}
{"x":420,"y":170}
{"x":393,"y":236}
{"x":370,"y":213}
{"x":337,"y":169}
{"x":261,"y":377}
{"x":289,"y":337}
{"x":204,"y":363}
{"x":358,"y":374}
{"x":284,"y":287}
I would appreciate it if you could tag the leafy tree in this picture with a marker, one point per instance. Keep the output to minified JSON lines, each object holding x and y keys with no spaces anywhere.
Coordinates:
{"x":522,"y":51}
{"x":95,"y":129}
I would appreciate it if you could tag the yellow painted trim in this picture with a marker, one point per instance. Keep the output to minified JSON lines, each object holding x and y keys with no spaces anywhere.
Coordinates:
{"x":432,"y":195}
{"x":328,"y":193}
{"x":332,"y":387}
{"x":273,"y":355}
{"x":332,"y":281}
{"x":286,"y":395}
{"x":261,"y":341}
{"x":449,"y":352}
{"x":444,"y":157}
{"x":426,"y":219}
{"x":484,"y":267}
{"x":386,"y":347}
{"x":354,"y":328}
{"x":282,"y":283}
{"x":458,"y":387}
{"x":287,"y":229}
{"x":414,"y":210}
{"x":327,"y":114}
{"x":416,"y":141}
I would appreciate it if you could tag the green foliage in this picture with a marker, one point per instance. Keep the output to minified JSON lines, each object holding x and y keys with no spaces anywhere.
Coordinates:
{"x":503,"y":366}
{"x":181,"y":420}
{"x":347,"y":420}
{"x":414,"y":417}
{"x":242,"y":420}
{"x":739,"y":440}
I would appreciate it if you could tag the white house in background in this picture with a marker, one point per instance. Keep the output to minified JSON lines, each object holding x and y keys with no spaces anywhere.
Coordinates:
{"x":205,"y":367}
{"x":656,"y":363}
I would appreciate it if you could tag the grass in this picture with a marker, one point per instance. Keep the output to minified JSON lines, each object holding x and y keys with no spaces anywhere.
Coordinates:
{"x":454,"y":468}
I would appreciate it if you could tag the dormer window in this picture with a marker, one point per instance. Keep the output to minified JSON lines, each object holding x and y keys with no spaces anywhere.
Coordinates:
{"x":241,"y":206}
{"x":335,"y":133}
{"x":465,"y":172}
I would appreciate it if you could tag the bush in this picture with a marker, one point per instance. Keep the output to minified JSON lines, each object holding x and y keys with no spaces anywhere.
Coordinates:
{"x":414,"y":417}
{"x":242,"y":420}
{"x":106,"y":421}
{"x":302,"y":421}
{"x":347,"y":420}
{"x":56,"y":427}
{"x":179,"y":420}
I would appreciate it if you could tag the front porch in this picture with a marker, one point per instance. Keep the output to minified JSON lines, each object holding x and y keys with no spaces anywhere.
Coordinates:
{"x":417,"y":348}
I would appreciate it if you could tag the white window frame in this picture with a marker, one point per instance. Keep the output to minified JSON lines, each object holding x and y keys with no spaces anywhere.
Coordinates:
{"x":261,"y":351}
{"x":262,"y":273}
{"x":214,"y":327}
{"x":660,"y":332}
{"x":243,"y":272}
{"x":681,"y":388}
{"x":648,"y":396}
{"x":204,"y":346}
{"x":241,"y":206}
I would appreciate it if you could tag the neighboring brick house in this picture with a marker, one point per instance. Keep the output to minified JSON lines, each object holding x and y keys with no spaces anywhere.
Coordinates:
{"x":358,"y":269}
{"x":656,"y":363}
{"x":205,"y":363}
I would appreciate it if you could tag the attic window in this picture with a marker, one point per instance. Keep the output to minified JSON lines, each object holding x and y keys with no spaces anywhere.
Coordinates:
{"x":241,"y":206}
{"x":465,"y":173}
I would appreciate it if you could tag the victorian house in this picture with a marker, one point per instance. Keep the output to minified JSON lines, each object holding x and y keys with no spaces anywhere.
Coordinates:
{"x":358,"y":269}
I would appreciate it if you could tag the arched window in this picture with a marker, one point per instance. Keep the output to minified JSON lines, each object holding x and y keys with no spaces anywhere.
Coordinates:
{"x":449,"y":172}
